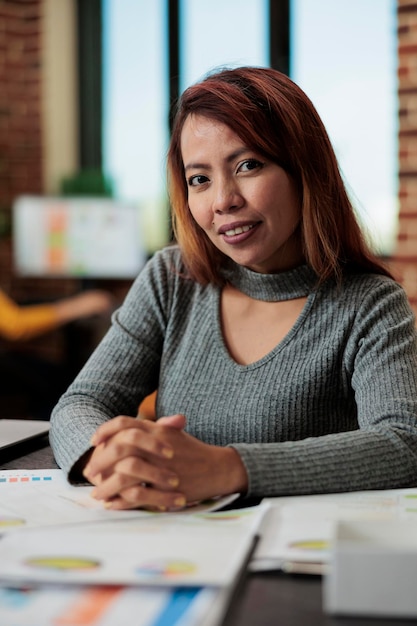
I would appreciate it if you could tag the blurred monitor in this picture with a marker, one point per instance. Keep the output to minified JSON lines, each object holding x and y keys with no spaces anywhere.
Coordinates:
{"x":76,"y":237}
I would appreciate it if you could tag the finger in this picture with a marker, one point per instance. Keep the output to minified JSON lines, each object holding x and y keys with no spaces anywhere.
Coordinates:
{"x":149,"y":439}
{"x":89,"y":471}
{"x":134,"y":471}
{"x":94,"y":480}
{"x":127,"y":443}
{"x":111,"y":427}
{"x":174,"y":421}
{"x":99,"y":465}
{"x":123,"y":422}
{"x":141,"y":496}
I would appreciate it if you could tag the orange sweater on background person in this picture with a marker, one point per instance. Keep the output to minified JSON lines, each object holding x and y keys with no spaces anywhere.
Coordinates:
{"x":19,"y":323}
{"x":31,"y":385}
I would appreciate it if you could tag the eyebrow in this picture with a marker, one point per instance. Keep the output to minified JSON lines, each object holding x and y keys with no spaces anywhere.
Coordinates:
{"x":229,"y":158}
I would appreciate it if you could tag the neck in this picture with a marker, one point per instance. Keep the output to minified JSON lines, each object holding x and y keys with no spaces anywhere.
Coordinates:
{"x":286,"y":285}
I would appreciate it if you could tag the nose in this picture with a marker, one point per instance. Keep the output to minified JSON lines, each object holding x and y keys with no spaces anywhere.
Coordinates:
{"x":227,"y":196}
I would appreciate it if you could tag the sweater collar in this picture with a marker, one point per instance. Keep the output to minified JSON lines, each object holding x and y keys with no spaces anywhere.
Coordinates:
{"x":295,"y":283}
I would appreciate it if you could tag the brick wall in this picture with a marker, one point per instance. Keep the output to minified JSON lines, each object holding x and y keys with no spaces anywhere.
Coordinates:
{"x":20,"y":99}
{"x":21,"y":134}
{"x":21,"y":148}
{"x":20,"y":111}
{"x":404,"y":262}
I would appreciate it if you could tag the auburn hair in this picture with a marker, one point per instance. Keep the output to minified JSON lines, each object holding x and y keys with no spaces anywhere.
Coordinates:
{"x":273,"y":116}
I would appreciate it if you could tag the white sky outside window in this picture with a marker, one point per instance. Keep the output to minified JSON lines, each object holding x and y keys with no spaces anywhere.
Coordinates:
{"x":222,"y":33}
{"x":135,"y":125}
{"x":343,"y":55}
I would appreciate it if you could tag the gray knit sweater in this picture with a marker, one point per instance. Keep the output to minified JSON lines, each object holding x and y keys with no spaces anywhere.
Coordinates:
{"x":333,"y":407}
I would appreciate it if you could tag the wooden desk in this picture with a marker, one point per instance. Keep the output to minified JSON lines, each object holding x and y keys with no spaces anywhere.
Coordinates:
{"x":270,"y":599}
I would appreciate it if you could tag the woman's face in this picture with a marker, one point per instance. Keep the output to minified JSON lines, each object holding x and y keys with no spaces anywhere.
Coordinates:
{"x":246,"y":205}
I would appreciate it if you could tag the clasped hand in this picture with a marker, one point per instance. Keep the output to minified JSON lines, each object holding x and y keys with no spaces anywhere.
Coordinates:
{"x":158,"y":466}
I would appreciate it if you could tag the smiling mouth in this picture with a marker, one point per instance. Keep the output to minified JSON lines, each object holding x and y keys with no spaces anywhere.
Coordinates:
{"x":238,"y":231}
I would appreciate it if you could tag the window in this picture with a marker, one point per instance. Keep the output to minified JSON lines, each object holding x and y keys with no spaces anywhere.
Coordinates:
{"x":219,"y":33}
{"x":135,"y":110}
{"x":135,"y":93}
{"x":343,"y":55}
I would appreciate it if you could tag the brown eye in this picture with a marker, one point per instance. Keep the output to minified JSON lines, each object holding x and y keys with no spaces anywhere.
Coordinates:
{"x":249,"y":165}
{"x":196,"y":180}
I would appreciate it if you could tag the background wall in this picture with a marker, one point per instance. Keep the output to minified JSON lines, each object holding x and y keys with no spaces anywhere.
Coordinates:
{"x":405,"y":259}
{"x":38,"y":117}
{"x":38,"y":132}
{"x":21,"y":149}
{"x":59,"y":92}
{"x":38,"y":122}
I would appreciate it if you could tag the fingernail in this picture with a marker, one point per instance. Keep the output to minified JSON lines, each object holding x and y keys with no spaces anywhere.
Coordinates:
{"x":162,"y":508}
{"x":87,"y":470}
{"x":94,"y":440}
{"x":180,"y":501}
{"x":168,"y":453}
{"x":173,"y":482}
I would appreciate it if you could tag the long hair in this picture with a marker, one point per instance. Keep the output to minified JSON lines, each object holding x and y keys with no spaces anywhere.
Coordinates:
{"x":273,"y":116}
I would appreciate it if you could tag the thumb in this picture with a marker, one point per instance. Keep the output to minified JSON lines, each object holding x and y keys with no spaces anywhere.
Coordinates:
{"x":174,"y":421}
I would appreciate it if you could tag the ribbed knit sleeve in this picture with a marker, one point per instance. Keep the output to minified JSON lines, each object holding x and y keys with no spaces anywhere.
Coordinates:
{"x":122,"y":370}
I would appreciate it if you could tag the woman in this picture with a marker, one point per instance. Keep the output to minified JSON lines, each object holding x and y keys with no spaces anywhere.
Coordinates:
{"x":283,"y":352}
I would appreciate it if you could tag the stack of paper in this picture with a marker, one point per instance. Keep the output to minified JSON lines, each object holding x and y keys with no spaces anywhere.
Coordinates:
{"x":66,"y":561}
{"x":297,"y":531}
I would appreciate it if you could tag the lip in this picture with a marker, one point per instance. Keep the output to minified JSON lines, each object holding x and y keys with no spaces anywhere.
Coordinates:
{"x":223,"y":229}
{"x":235,"y":239}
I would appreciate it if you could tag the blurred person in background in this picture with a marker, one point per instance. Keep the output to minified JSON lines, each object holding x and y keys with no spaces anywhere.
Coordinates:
{"x":30,"y":383}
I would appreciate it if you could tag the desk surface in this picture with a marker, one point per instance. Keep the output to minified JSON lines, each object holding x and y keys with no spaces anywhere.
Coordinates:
{"x":269,"y":599}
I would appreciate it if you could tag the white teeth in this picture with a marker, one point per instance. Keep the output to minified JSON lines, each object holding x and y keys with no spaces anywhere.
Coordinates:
{"x":238,"y":231}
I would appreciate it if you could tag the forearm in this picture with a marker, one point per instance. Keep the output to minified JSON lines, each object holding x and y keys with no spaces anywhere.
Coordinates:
{"x":352,"y":461}
{"x":20,"y":324}
{"x":81,"y":305}
{"x":228,"y":473}
{"x":73,"y":423}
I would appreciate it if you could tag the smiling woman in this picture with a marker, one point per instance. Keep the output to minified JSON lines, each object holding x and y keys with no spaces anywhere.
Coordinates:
{"x":246,"y":205}
{"x":279,"y":128}
{"x":284,"y":353}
